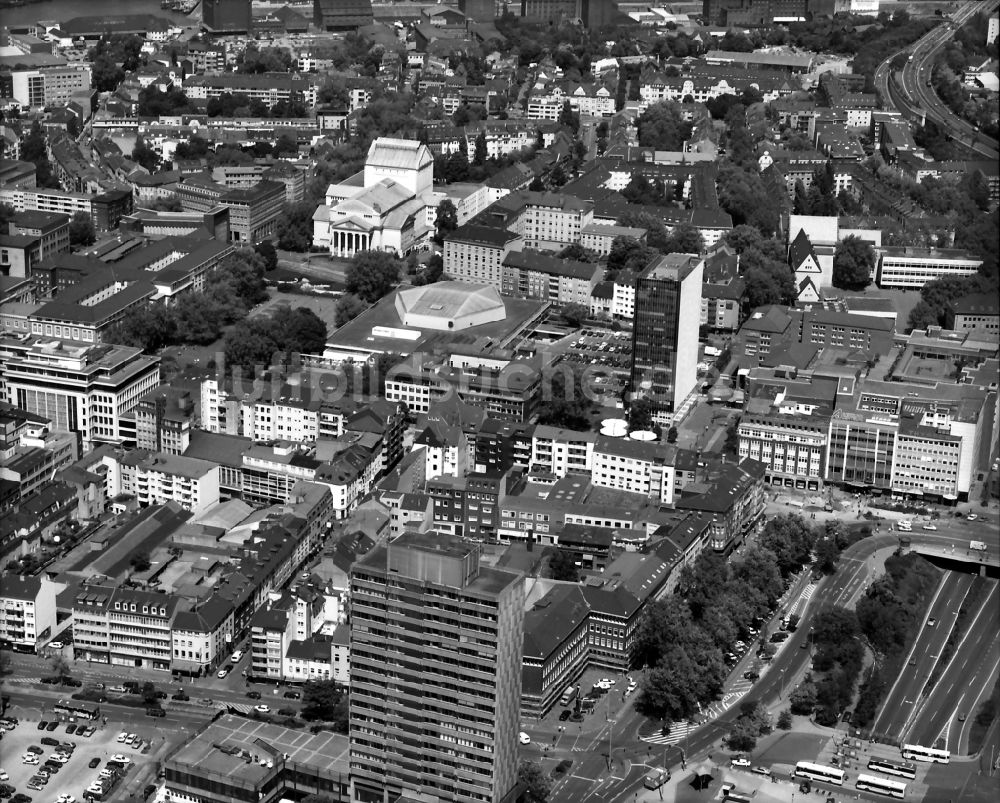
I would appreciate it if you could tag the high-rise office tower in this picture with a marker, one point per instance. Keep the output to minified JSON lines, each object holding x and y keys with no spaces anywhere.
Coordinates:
{"x":665,"y":330}
{"x":227,"y":16}
{"x":435,"y":672}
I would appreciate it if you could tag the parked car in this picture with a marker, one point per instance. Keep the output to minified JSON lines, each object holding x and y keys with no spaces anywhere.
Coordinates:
{"x":751,"y":674}
{"x":155,"y":712}
{"x":292,"y":695}
{"x":253,"y":695}
{"x":523,"y":738}
{"x":42,"y":725}
{"x":95,"y":761}
{"x":740,"y":761}
{"x":48,"y":740}
{"x":565,"y":714}
{"x":35,"y":749}
{"x":222,"y":673}
{"x":51,"y":726}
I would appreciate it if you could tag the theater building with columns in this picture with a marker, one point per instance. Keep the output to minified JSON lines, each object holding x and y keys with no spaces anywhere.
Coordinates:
{"x":383,"y":207}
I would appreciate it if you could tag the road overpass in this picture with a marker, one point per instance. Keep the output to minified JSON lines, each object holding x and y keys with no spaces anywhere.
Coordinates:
{"x":910,"y":91}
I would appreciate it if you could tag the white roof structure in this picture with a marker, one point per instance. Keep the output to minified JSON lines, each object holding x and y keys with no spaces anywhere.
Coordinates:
{"x":450,"y":305}
{"x":403,"y":154}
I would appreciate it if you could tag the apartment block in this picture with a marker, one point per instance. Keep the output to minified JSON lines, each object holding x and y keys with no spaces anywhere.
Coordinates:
{"x":445,"y":725}
{"x":529,"y":274}
{"x":633,"y":466}
{"x":27,"y":611}
{"x":860,"y":448}
{"x":975,"y":313}
{"x":476,"y":253}
{"x":254,"y":211}
{"x":202,"y":637}
{"x":163,"y":420}
{"x":550,"y":222}
{"x":155,"y":478}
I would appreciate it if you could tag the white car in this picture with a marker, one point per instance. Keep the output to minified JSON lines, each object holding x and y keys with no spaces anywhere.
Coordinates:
{"x":66,"y":799}
{"x":131,"y":739}
{"x":118,"y":757}
{"x":4,"y":776}
{"x":56,"y":645}
{"x":222,"y":673}
{"x":631,"y":687}
{"x":523,"y":738}
{"x":58,"y":757}
{"x":262,"y":709}
{"x":29,"y":758}
{"x":606,"y":682}
{"x":929,"y":527}
{"x":740,"y":761}
{"x":236,"y":656}
{"x":122,"y":737}
{"x":971,"y":517}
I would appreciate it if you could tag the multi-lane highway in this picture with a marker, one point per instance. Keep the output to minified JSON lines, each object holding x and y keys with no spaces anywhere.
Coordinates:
{"x":949,"y":710}
{"x":894,"y":717}
{"x":916,"y":93}
{"x":589,"y":780}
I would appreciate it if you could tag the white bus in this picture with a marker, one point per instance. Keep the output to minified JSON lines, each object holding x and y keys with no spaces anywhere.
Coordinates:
{"x":931,"y":754}
{"x":817,"y":772}
{"x":889,"y":767}
{"x":882,"y":786}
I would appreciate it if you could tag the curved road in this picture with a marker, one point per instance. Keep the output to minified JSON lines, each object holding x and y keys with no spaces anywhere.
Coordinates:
{"x":589,"y":780}
{"x":916,"y":75}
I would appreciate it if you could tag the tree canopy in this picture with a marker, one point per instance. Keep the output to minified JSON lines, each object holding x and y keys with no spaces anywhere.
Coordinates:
{"x":372,"y":274}
{"x":853,"y":264}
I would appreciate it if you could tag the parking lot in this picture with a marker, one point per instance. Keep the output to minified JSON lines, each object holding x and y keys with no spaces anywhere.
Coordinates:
{"x":601,"y":347}
{"x":74,"y":775}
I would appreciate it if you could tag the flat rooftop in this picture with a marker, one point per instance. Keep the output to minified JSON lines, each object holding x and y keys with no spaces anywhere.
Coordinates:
{"x":323,"y":752}
{"x":380,"y":330}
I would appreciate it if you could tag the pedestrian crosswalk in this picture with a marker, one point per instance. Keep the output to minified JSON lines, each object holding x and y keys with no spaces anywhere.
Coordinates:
{"x":803,"y":598}
{"x":678,"y":731}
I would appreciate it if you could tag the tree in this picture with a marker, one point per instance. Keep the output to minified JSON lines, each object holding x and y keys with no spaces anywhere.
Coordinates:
{"x":59,"y":666}
{"x":574,"y":314}
{"x":480,"y":151}
{"x":569,"y":118}
{"x":242,"y":275}
{"x":149,"y":694}
{"x":663,"y":127}
{"x":803,"y":699}
{"x":7,"y":214}
{"x":295,"y":227}
{"x":537,"y":786}
{"x":81,"y":230}
{"x":249,"y":345}
{"x":784,"y":720}
{"x":853,"y":264}
{"x":285,"y":145}
{"x":640,"y":415}
{"x":140,"y":562}
{"x":145,"y":156}
{"x":447,"y":219}
{"x":684,"y":239}
{"x":349,"y":307}
{"x":791,"y":540}
{"x":266,"y":251}
{"x":299,"y":331}
{"x":372,"y":274}
{"x":562,"y":566}
{"x":149,"y":328}
{"x":320,"y":699}
{"x":33,"y":149}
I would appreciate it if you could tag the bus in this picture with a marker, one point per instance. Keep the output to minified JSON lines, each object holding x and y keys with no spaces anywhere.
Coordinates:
{"x":931,"y":754}
{"x":817,"y":772}
{"x":75,"y":709}
{"x":881,"y":786}
{"x":568,"y":696}
{"x":656,"y":778}
{"x":889,"y":767}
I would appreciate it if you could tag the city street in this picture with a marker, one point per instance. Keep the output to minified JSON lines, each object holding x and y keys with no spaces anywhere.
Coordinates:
{"x":589,"y":779}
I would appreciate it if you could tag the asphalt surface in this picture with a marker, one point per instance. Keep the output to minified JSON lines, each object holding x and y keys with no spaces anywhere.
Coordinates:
{"x":967,"y":678}
{"x":589,"y":779}
{"x":891,"y":723}
{"x":916,"y":74}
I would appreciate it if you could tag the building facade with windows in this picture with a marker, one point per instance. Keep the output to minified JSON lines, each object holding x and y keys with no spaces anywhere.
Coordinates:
{"x":84,"y":389}
{"x":27,"y":611}
{"x":665,"y":331}
{"x":444,"y":725}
